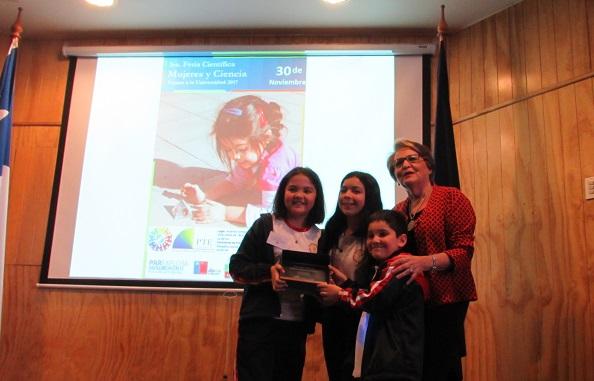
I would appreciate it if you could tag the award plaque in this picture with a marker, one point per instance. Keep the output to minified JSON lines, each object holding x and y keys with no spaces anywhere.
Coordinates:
{"x":303,"y":271}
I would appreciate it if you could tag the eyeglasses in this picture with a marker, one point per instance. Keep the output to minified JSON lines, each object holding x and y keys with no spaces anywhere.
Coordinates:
{"x":414,"y":158}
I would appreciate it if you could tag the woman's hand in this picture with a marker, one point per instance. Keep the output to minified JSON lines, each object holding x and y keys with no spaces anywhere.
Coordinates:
{"x":208,"y":212}
{"x":193,"y":194}
{"x":278,"y":284}
{"x":411,"y":265}
{"x":329,"y":293}
{"x":337,"y":276}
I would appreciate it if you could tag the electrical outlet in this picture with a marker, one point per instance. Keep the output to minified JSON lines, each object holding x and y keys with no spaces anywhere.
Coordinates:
{"x":589,"y":187}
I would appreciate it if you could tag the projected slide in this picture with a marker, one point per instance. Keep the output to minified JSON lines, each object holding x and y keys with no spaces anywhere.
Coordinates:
{"x":168,"y":160}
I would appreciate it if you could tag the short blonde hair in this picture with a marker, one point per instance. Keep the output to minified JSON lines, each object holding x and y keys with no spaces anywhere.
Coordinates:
{"x":419,"y":148}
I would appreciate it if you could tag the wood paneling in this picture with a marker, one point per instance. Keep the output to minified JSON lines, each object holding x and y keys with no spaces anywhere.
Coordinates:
{"x":57,"y":334}
{"x":41,"y":83}
{"x":33,"y":158}
{"x":534,"y":248}
{"x":578,"y":39}
{"x":490,"y":59}
{"x":517,"y":31}
{"x":504,"y":74}
{"x":531,"y":44}
{"x":477,"y":65}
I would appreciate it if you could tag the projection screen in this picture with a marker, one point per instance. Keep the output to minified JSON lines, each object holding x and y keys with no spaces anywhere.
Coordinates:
{"x":139,"y":128}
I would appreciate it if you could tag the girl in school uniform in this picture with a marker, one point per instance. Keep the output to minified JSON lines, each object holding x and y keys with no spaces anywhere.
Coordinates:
{"x":344,"y":241}
{"x":274,"y":320}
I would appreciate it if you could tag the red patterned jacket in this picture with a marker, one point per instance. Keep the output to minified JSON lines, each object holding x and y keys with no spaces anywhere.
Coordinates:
{"x":447,"y":225}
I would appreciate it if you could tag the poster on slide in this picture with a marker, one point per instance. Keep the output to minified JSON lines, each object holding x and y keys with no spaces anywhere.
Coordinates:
{"x":228,"y":130}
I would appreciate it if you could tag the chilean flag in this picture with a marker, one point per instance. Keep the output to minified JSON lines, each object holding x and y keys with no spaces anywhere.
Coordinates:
{"x":6,"y":88}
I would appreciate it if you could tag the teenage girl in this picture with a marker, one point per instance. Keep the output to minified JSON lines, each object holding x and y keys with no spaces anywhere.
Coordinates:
{"x":390,"y":335}
{"x":344,"y":240}
{"x":273,"y":320}
{"x":248,"y":136}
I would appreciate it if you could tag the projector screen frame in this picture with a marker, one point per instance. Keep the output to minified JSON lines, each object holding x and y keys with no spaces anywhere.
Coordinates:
{"x":183,"y":285}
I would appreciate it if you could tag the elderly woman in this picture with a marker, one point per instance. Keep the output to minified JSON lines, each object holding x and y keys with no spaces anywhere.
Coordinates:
{"x":441,"y":225}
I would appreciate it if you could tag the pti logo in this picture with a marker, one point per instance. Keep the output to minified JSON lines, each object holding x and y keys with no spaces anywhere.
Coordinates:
{"x":201,"y":267}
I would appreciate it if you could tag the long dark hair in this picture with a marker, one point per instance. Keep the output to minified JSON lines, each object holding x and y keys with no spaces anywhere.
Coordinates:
{"x":337,"y":224}
{"x":316,"y":214}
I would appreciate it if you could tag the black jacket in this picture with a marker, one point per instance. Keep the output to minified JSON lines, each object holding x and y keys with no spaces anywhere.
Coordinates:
{"x":251,"y":266}
{"x":395,"y":333}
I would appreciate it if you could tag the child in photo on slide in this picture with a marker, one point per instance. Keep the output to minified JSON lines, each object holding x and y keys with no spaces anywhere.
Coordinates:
{"x":248,"y":135}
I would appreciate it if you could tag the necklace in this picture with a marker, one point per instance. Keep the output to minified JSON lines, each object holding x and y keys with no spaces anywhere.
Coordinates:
{"x":297,"y":228}
{"x":412,"y":221}
{"x":414,"y":212}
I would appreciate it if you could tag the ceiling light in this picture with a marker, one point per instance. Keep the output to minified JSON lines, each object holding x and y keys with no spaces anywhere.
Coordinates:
{"x":334,"y":1}
{"x":101,"y":3}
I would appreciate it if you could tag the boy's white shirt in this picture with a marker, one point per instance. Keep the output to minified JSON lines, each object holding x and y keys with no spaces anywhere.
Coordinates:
{"x":360,"y":343}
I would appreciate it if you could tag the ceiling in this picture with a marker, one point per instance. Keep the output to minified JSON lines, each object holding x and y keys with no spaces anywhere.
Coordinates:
{"x":59,"y":18}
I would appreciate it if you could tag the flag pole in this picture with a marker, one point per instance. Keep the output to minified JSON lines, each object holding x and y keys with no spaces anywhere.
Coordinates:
{"x":17,"y":27}
{"x":442,"y":26}
{"x":444,"y":148}
{"x":6,"y":102}
{"x":15,"y":31}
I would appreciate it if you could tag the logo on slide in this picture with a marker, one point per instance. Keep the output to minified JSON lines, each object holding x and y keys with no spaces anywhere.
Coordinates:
{"x":200,"y":267}
{"x":159,"y":239}
{"x":185,"y":239}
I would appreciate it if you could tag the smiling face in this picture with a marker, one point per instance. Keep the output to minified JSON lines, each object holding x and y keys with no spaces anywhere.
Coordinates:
{"x":241,"y":152}
{"x":300,"y":196}
{"x":383,"y":241}
{"x":351,"y":198}
{"x":411,"y":168}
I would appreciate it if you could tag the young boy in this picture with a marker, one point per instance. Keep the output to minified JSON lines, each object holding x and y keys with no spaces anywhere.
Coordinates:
{"x":391,"y":333}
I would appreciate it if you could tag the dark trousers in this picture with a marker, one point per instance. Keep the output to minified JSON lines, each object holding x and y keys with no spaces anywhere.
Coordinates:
{"x":339,"y":330}
{"x":270,"y":350}
{"x":445,"y":344}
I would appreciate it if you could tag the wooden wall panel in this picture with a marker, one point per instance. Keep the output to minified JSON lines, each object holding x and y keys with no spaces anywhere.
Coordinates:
{"x":531,"y":153}
{"x":41,"y":83}
{"x":579,"y":327}
{"x":453,"y":58}
{"x":521,"y":308}
{"x":546,"y":27}
{"x":517,"y":48}
{"x":57,"y":334}
{"x":584,"y":95}
{"x":578,"y":36}
{"x":532,"y":45}
{"x":504,"y":73}
{"x":562,"y":38}
{"x":590,"y":28}
{"x":480,"y":324}
{"x":315,"y":367}
{"x":477,"y":74}
{"x":490,"y":60}
{"x":33,"y":155}
{"x":464,"y":44}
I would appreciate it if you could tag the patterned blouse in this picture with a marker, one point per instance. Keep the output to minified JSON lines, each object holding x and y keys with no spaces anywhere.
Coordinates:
{"x":446,"y":225}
